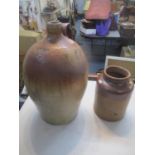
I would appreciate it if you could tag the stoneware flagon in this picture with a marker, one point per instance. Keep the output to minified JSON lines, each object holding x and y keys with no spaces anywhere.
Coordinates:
{"x":113,"y":90}
{"x":55,"y":75}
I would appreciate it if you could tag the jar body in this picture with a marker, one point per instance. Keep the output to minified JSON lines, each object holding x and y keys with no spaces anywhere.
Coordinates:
{"x":112,"y":97}
{"x":55,"y":75}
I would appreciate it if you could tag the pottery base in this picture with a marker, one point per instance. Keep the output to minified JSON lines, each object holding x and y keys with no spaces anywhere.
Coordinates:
{"x":108,"y":117}
{"x":59,"y":121}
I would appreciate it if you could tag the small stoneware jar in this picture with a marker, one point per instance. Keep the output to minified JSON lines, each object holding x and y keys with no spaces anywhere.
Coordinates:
{"x":113,"y":90}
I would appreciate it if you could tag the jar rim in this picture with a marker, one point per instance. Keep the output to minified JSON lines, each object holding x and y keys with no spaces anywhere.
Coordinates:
{"x":117,"y":72}
{"x":54,"y":27}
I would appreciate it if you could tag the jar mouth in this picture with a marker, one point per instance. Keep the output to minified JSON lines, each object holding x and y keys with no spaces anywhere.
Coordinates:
{"x":54,"y":27}
{"x":117,"y":73}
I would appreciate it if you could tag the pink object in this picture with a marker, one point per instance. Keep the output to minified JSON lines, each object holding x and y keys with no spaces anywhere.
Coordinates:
{"x":99,"y":10}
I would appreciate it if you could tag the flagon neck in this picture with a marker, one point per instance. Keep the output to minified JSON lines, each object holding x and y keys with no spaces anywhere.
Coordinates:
{"x":54,"y":31}
{"x":54,"y":28}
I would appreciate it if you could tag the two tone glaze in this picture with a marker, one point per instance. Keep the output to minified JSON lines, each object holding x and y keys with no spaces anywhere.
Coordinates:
{"x":55,"y":75}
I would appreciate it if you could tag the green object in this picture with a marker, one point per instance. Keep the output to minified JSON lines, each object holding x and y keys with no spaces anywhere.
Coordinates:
{"x":86,"y":6}
{"x":27,"y":39}
{"x":128,"y":52}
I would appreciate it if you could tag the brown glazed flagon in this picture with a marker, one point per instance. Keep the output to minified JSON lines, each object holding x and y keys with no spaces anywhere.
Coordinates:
{"x":55,"y":74}
{"x":113,"y":91}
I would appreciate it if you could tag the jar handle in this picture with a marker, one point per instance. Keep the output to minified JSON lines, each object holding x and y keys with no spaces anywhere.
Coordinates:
{"x":100,"y":76}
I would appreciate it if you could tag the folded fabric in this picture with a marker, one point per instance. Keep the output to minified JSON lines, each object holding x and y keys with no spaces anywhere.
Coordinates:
{"x":99,"y":10}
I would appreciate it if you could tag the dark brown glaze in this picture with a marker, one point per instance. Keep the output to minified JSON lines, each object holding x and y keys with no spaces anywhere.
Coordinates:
{"x":113,"y":91}
{"x":55,"y":65}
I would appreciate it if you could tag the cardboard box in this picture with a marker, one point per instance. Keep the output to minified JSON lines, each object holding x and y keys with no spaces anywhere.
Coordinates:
{"x":127,"y":63}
